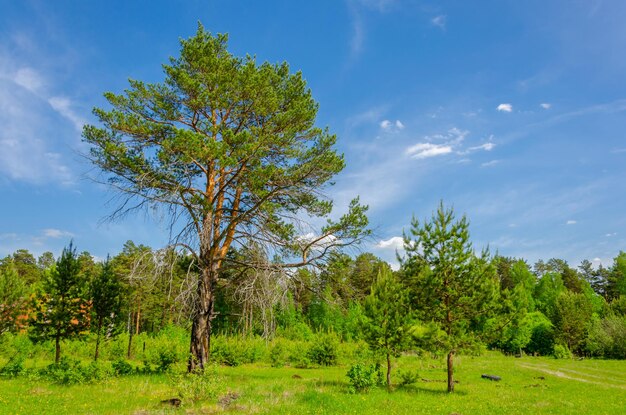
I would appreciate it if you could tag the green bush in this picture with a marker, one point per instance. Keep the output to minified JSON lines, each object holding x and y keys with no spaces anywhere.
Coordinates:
{"x":279,"y":353}
{"x":234,"y":351}
{"x":121,"y":367}
{"x":324,"y":350}
{"x":194,"y":387}
{"x":362,"y":378}
{"x":70,"y":371}
{"x":408,"y":377}
{"x":561,"y":352}
{"x":14,"y":367}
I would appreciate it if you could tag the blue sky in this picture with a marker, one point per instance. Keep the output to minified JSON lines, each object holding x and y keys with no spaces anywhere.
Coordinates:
{"x":513,"y":112}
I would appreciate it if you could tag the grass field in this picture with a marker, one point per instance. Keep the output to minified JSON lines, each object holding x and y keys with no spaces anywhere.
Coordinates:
{"x":529,"y":386}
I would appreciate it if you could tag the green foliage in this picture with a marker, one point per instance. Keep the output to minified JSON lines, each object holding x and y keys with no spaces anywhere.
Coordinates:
{"x":235,"y":351}
{"x":196,"y":387}
{"x":121,"y":367}
{"x":408,"y":377}
{"x":561,"y":352}
{"x":61,"y":309}
{"x":607,"y":337}
{"x":12,"y":297}
{"x":71,"y":371}
{"x":455,"y":289}
{"x":542,"y":337}
{"x":14,"y":367}
{"x":323,"y":350}
{"x":362,"y":378}
{"x":106,"y":298}
{"x":572,"y":318}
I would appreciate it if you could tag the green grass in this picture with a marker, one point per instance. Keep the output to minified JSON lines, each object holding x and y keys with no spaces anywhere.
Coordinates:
{"x":567,"y":387}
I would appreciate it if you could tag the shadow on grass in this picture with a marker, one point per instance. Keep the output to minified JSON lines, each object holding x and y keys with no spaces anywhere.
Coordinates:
{"x":422,"y":390}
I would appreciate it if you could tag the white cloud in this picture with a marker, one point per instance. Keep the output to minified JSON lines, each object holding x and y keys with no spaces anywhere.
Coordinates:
{"x":63,"y":106}
{"x":571,"y":222}
{"x":545,"y":105}
{"x":425,"y":150}
{"x":30,"y":129}
{"x":28,"y":78}
{"x":56,"y":233}
{"x":395,"y":243}
{"x":608,"y":235}
{"x":439,"y":21}
{"x":388,"y":125}
{"x":487,"y":147}
{"x":490,"y":163}
{"x":505,"y":107}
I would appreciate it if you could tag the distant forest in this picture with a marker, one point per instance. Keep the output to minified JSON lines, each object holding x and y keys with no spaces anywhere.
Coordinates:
{"x":542,"y":309}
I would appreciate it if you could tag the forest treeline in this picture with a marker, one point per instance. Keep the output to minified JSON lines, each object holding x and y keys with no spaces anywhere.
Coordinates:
{"x":548,"y":308}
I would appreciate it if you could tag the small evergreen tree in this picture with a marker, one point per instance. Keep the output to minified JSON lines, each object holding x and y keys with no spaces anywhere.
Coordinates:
{"x":387,"y":318}
{"x":61,"y":309}
{"x":106,"y":297}
{"x":455,"y":287}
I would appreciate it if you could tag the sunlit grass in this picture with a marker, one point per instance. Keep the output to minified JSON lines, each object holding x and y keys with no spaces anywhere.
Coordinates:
{"x":529,"y":386}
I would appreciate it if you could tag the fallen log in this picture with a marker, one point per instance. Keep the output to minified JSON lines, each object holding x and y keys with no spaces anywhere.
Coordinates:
{"x":491,"y":377}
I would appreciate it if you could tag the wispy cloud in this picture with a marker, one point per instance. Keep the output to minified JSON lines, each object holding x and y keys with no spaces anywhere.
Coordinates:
{"x":56,"y":233}
{"x":441,"y":144}
{"x":63,"y":106}
{"x":505,"y":107}
{"x":545,"y":105}
{"x":490,"y":163}
{"x":571,"y":222}
{"x":425,"y":150}
{"x":439,"y":21}
{"x":391,"y":126}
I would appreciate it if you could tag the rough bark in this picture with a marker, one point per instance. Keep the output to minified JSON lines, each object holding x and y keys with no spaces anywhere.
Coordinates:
{"x":199,"y":349}
{"x":388,"y":372}
{"x":57,"y":344}
{"x":451,"y":371}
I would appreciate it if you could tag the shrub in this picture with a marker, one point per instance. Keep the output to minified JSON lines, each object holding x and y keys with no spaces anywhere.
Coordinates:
{"x":561,"y":352}
{"x":166,"y":358}
{"x":70,"y":371}
{"x":15,"y":366}
{"x":279,"y":354}
{"x":121,"y":367}
{"x":233,"y":351}
{"x":408,"y":377}
{"x":323,"y":351}
{"x":362,"y":378}
{"x":196,"y":387}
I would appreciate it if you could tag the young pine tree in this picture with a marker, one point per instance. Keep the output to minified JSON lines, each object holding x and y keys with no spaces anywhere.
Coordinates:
{"x":61,"y":310}
{"x":455,"y":288}
{"x":106,"y":298}
{"x":387,"y":318}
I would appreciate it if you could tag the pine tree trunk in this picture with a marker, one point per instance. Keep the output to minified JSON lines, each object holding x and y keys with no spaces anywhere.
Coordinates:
{"x":57,"y":344}
{"x":95,"y":357}
{"x":388,"y":372}
{"x":451,"y":371}
{"x":130,"y":342}
{"x":200,"y":347}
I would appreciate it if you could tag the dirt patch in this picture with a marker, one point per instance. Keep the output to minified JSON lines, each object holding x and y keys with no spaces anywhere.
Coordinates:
{"x":560,"y":374}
